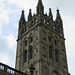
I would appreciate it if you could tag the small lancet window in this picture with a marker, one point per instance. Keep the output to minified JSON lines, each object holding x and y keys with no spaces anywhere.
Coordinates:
{"x":57,"y":55}
{"x":30,"y":52}
{"x":50,"y":52}
{"x":25,"y":43}
{"x":31,"y":39}
{"x":55,"y":41}
{"x":49,"y":38}
{"x":25,"y":56}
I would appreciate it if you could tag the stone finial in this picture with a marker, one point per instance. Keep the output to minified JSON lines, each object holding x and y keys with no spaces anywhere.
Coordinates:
{"x":30,"y":15}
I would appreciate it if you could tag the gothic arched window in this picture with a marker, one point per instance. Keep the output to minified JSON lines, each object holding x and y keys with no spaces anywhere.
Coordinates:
{"x":56,"y":41}
{"x":49,"y":38}
{"x":30,"y":39}
{"x":57,"y":55}
{"x":25,"y":56}
{"x":25,"y":43}
{"x":30,"y":52}
{"x":50,"y":52}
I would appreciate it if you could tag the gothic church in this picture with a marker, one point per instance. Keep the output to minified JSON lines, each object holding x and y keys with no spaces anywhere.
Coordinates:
{"x":41,"y":42}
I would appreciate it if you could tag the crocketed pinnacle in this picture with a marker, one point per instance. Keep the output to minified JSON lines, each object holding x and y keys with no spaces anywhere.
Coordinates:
{"x":50,"y":14}
{"x":58,"y":14}
{"x":22,"y":20}
{"x":30,"y":15}
{"x":22,"y":15}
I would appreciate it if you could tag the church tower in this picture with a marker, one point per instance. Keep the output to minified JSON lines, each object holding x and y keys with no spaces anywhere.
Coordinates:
{"x":41,"y":42}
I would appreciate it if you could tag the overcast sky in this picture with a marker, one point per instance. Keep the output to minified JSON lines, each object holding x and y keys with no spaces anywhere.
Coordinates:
{"x":10,"y":11}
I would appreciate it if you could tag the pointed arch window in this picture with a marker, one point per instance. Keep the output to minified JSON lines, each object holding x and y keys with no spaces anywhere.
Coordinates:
{"x":25,"y":56}
{"x":55,"y":41}
{"x":30,"y":52}
{"x":57,"y":55}
{"x":25,"y":43}
{"x":50,"y":52}
{"x":30,"y":39}
{"x":25,"y":28}
{"x":49,"y":38}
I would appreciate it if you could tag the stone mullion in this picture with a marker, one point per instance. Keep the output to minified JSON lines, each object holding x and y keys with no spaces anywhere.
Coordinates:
{"x":53,"y":50}
{"x":28,"y":50}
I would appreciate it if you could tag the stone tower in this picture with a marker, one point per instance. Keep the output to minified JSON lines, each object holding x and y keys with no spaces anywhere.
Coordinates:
{"x":41,"y":42}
